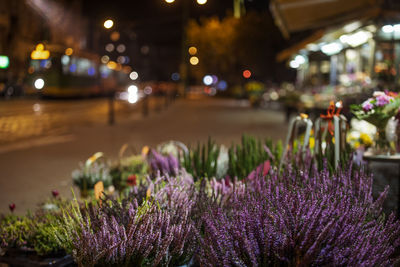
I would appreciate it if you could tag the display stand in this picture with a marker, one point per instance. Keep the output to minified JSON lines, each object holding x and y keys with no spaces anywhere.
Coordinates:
{"x":369,"y":157}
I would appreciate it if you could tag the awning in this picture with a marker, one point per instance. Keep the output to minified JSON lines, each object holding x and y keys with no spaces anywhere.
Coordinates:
{"x":299,"y":15}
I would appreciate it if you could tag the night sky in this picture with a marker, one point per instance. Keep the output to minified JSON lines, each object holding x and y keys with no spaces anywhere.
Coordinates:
{"x":157,"y":25}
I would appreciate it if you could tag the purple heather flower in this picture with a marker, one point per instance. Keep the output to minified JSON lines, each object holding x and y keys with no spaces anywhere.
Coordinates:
{"x":166,"y":165}
{"x":301,"y":218}
{"x":367,"y":105}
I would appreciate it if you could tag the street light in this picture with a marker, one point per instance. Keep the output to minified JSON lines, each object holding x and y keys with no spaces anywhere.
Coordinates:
{"x":184,"y":68}
{"x":108,"y":24}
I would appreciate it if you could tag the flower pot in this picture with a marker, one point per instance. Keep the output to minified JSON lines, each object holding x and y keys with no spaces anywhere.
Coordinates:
{"x":28,"y":257}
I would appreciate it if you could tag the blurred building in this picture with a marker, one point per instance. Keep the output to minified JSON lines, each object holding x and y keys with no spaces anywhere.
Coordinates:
{"x":351,"y":44}
{"x":25,"y":23}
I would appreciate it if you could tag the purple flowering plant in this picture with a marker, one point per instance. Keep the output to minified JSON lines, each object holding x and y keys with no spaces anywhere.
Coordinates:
{"x":301,"y":218}
{"x":378,"y":109}
{"x":164,"y":165}
{"x":159,"y":232}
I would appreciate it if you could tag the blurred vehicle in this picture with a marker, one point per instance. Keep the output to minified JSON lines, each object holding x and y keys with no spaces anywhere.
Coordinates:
{"x":79,"y":74}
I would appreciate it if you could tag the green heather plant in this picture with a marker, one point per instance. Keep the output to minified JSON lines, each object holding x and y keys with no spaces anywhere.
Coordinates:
{"x":34,"y":230}
{"x":202,"y":161}
{"x":67,"y":226}
{"x":252,"y":152}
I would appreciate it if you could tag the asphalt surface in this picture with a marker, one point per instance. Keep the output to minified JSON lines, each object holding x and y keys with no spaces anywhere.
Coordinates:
{"x":41,"y":143}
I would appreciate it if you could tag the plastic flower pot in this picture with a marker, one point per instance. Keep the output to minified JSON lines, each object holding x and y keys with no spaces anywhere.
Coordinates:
{"x":28,"y":257}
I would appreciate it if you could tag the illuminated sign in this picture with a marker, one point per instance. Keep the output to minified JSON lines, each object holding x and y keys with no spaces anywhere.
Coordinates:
{"x":4,"y":62}
{"x":40,"y":53}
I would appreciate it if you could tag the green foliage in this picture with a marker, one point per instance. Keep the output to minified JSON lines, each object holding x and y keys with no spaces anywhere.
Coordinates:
{"x":202,"y":162}
{"x":36,"y":231}
{"x":245,"y":157}
{"x":328,"y":158}
{"x":66,"y":227}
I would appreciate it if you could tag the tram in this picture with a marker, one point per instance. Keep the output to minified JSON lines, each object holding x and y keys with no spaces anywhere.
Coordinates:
{"x":66,"y":74}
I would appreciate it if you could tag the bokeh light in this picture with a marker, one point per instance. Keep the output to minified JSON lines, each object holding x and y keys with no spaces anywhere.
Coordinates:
{"x":247,"y":74}
{"x":114,"y":36}
{"x":175,"y":76}
{"x":110,"y":47}
{"x":132,"y":89}
{"x":194,"y":60}
{"x":121,"y":60}
{"x":65,"y":60}
{"x":222,"y":85}
{"x":208,"y":80}
{"x":4,"y":62}
{"x":105,"y":59}
{"x":69,"y":51}
{"x":134,"y":76}
{"x":148,"y":90}
{"x":201,"y":2}
{"x":121,"y":48}
{"x":39,"y":83}
{"x":112,"y":65}
{"x":192,"y":50}
{"x":108,"y":24}
{"x":169,"y":1}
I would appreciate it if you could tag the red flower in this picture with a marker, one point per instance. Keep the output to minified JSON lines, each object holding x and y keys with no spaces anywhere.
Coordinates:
{"x":11,"y":207}
{"x":55,"y":193}
{"x":131,"y":181}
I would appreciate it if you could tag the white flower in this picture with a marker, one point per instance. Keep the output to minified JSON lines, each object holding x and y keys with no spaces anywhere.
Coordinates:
{"x":222,"y":162}
{"x":363,"y":126}
{"x":378,"y":93}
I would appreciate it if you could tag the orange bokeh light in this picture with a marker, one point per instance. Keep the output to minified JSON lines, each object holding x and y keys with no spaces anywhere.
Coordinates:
{"x":247,"y":74}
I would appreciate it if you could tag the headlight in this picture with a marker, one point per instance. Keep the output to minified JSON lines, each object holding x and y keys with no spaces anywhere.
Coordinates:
{"x":133,"y":96}
{"x":39,"y":84}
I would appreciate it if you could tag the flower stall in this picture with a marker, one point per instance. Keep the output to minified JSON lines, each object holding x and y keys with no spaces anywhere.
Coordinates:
{"x":209,"y":205}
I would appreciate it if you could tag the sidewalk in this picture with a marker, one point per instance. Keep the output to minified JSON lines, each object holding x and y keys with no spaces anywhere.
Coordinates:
{"x":28,"y":173}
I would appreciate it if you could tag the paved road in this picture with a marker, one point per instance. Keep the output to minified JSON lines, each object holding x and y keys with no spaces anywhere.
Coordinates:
{"x":52,"y":141}
{"x":21,"y":119}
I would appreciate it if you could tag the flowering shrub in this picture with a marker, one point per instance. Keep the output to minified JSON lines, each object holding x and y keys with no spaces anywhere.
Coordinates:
{"x":308,"y":214}
{"x":164,"y":165}
{"x":158,"y":232}
{"x":301,"y":219}
{"x":149,"y":239}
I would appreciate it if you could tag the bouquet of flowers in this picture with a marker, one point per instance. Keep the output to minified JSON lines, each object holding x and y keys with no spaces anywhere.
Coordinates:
{"x":378,"y":110}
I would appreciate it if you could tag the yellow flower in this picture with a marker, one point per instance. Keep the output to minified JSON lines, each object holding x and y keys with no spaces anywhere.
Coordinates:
{"x":357,"y":144}
{"x":366,"y":139}
{"x":312,"y":142}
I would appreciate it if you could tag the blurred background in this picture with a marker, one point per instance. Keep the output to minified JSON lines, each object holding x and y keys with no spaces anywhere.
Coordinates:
{"x":80,"y":76}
